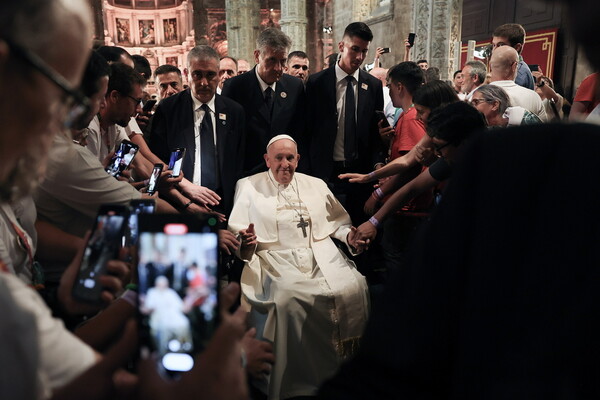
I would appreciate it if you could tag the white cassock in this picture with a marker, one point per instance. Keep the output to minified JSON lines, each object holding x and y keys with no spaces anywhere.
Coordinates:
{"x":304,"y":295}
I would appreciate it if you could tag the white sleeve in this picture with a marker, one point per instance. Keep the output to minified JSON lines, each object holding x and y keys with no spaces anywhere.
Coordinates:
{"x":133,"y":128}
{"x":62,"y":356}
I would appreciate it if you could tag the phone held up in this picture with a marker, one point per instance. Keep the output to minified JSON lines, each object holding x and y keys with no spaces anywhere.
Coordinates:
{"x":411,"y":39}
{"x":107,"y":237}
{"x":178,"y":289}
{"x":123,"y":157}
{"x":154,"y":177}
{"x":148,"y":105}
{"x":385,"y":50}
{"x":176,"y":160}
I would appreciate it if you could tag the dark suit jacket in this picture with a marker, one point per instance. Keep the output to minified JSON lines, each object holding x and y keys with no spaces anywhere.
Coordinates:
{"x":287,"y":117}
{"x":173,"y":126}
{"x":322,"y":122}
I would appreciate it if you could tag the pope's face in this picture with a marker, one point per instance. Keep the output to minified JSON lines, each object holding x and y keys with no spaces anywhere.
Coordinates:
{"x":282,"y":159}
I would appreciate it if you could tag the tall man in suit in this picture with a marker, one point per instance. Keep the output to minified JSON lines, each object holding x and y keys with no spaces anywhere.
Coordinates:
{"x":342,"y":125}
{"x":274,"y":103}
{"x":210,"y":127}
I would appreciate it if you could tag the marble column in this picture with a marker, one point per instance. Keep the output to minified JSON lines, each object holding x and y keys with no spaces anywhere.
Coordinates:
{"x":438,"y":26}
{"x":293,"y":22}
{"x":98,"y":13}
{"x":243,"y":23}
{"x":200,"y":22}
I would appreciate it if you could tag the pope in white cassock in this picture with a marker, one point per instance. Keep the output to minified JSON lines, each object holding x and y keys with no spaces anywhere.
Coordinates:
{"x":303,"y":293}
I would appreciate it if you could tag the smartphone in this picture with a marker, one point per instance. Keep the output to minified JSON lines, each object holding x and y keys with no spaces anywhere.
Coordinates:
{"x":137,"y":207}
{"x":107,"y":237}
{"x":385,"y":50}
{"x":154,"y":177}
{"x":534,"y":67}
{"x":178,"y":306}
{"x":123,"y":157}
{"x":148,"y":105}
{"x":382,"y":117}
{"x":411,"y":39}
{"x":176,"y":160}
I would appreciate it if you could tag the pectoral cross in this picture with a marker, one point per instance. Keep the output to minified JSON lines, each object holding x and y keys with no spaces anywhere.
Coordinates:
{"x":302,"y":225}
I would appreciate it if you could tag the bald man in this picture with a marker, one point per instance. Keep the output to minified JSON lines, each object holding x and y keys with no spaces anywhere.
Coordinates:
{"x":503,"y":66}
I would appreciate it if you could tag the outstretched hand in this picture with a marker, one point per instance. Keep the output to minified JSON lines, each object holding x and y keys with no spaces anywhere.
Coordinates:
{"x":355,"y":178}
{"x":356,"y":242}
{"x":365,"y":232}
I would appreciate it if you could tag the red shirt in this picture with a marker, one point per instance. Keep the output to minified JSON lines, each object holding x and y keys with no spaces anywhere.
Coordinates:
{"x":409,"y":131}
{"x":587,"y":91}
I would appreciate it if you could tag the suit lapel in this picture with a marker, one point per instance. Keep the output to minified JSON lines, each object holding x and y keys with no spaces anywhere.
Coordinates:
{"x":187,"y":115}
{"x":259,"y":97}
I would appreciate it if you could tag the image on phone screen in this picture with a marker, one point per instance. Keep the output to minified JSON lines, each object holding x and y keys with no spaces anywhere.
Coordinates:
{"x":175,"y":161}
{"x":137,"y":207}
{"x":178,"y":296}
{"x":154,"y":177}
{"x":123,"y":157}
{"x":103,"y":246}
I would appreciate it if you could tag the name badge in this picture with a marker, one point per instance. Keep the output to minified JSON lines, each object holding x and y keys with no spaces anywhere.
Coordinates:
{"x":364,"y":86}
{"x":223,"y":116}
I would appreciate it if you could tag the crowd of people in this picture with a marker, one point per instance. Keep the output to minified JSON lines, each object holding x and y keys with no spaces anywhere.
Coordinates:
{"x":382,"y":234}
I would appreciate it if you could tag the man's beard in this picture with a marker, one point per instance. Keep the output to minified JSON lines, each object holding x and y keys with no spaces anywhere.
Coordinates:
{"x":26,"y":175}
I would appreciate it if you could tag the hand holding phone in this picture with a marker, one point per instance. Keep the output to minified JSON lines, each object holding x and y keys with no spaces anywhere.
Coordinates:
{"x":154,"y":177}
{"x":107,"y":237}
{"x":122,"y":158}
{"x":178,"y":288}
{"x":176,"y":160}
{"x":411,"y":39}
{"x":148,"y":106}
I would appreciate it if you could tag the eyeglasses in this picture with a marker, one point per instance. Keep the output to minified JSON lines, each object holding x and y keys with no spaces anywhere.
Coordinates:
{"x":77,"y":103}
{"x":476,"y":102}
{"x":438,"y":149}
{"x":137,"y":101}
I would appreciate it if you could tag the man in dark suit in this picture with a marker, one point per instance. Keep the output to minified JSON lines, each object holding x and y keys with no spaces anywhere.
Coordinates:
{"x":342,"y":127}
{"x":274,"y":103}
{"x":214,"y":162}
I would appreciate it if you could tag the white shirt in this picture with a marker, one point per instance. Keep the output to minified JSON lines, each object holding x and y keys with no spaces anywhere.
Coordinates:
{"x":101,"y":142}
{"x":13,"y":252}
{"x":198,"y":117}
{"x":523,"y":97}
{"x":340,"y":98}
{"x":263,"y":84}
{"x":62,"y":356}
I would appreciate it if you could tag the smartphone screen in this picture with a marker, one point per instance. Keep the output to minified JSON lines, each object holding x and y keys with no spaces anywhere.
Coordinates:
{"x":154,"y":178}
{"x":106,"y":239}
{"x":385,"y":50}
{"x":137,"y":207}
{"x":534,"y":67}
{"x":176,"y":160}
{"x":178,"y":288}
{"x":123,"y":157}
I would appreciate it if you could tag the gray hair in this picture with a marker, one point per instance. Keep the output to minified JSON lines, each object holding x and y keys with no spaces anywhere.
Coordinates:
{"x":274,"y":39}
{"x":477,"y":68}
{"x":202,"y":52}
{"x":491,"y":93}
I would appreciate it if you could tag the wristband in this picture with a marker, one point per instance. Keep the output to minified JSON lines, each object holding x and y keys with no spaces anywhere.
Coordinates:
{"x":131,"y":297}
{"x":374,"y":221}
{"x":370,"y":175}
{"x":379,"y":193}
{"x":187,"y":205}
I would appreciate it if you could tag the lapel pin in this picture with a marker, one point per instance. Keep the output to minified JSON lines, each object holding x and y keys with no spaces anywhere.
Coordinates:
{"x":364,"y":86}
{"x":223,"y":116}
{"x":283,"y":95}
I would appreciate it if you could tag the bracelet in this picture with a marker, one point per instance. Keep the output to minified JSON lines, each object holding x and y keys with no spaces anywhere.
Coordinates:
{"x":370,"y":175}
{"x":374,"y":221}
{"x":378,"y":194}
{"x":131,"y":297}
{"x":189,"y":203}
